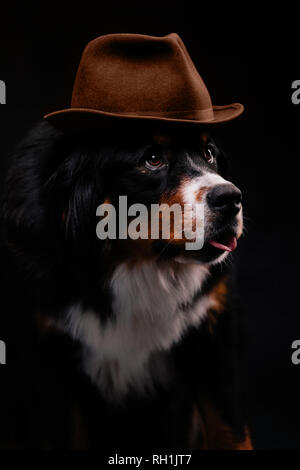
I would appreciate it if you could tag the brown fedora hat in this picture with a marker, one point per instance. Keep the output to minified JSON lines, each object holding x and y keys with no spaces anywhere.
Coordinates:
{"x":138,"y":77}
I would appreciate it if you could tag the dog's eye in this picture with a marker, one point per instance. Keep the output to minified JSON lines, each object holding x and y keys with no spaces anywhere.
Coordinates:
{"x":154,"y":161}
{"x":209,"y":153}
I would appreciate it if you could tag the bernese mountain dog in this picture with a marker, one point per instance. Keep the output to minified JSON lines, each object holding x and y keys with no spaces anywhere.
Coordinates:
{"x":133,"y":343}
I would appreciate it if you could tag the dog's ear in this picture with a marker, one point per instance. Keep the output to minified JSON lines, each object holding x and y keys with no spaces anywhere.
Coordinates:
{"x":23,"y":211}
{"x":73,"y":189}
{"x":52,"y":179}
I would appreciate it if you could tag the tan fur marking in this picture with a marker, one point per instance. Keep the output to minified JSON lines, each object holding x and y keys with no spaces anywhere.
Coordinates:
{"x":201,"y":193}
{"x":176,"y":198}
{"x":218,"y":296}
{"x":43,"y":323}
{"x":204,"y":137}
{"x":161,"y":139}
{"x":218,"y":434}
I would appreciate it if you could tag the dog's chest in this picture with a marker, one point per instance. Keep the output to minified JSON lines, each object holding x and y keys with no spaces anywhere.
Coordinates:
{"x":128,"y":351}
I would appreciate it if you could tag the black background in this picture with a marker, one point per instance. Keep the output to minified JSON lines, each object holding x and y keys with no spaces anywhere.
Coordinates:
{"x":244,"y":54}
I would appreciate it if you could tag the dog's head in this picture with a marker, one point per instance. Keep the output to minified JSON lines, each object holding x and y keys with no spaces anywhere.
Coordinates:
{"x":58,"y":181}
{"x":166,"y":168}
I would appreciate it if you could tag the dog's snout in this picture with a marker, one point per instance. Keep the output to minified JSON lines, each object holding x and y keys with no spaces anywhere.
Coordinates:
{"x":225,"y":198}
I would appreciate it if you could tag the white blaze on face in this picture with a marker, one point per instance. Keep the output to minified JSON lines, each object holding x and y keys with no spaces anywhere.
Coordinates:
{"x":194,"y":192}
{"x":192,"y":189}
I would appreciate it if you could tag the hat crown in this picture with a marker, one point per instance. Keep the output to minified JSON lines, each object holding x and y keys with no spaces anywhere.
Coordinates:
{"x":134,"y":79}
{"x":138,"y":74}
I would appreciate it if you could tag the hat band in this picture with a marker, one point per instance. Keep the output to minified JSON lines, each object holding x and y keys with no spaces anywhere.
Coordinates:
{"x":192,"y":114}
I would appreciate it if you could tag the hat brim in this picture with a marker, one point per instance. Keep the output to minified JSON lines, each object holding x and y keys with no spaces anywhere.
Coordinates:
{"x":75,"y":119}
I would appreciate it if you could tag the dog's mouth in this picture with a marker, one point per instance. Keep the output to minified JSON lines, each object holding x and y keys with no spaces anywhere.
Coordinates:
{"x":215,"y":245}
{"x":224,"y":242}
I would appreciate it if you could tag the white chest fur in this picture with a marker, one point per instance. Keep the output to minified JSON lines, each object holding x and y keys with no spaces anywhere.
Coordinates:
{"x":147,"y":320}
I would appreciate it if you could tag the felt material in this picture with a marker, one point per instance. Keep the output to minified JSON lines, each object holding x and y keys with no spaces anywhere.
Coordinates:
{"x":138,"y":77}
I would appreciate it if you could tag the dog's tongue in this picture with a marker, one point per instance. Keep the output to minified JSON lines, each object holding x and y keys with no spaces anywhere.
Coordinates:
{"x":231,"y":244}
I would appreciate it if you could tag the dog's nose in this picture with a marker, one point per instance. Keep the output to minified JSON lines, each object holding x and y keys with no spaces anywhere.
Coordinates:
{"x":225,"y":198}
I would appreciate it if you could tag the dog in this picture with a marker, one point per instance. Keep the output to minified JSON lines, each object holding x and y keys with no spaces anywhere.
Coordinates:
{"x":133,"y":342}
